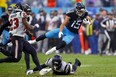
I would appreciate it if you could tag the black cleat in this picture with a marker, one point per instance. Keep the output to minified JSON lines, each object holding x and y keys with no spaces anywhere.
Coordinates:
{"x":1,"y":49}
{"x":77,"y":62}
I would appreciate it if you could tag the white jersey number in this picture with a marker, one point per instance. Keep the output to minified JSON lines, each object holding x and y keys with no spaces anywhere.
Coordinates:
{"x":76,"y":24}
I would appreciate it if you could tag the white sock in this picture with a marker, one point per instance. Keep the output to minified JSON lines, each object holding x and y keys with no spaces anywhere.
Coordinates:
{"x":51,"y":51}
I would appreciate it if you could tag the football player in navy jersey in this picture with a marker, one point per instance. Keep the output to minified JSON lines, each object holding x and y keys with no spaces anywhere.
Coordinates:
{"x":68,"y":29}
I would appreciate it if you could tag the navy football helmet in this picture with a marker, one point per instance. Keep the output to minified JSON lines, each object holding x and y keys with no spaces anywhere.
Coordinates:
{"x":57,"y":61}
{"x":27,"y":8}
{"x":20,"y":6}
{"x":79,"y":8}
{"x":4,"y":16}
{"x":10,"y":8}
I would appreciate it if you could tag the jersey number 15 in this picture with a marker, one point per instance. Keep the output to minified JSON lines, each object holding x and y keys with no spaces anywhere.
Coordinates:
{"x":76,"y":24}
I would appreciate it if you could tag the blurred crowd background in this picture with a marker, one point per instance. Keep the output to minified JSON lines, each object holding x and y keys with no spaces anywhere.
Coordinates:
{"x":92,"y":39}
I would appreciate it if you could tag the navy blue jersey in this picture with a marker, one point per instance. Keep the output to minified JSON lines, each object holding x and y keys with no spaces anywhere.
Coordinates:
{"x":5,"y":17}
{"x":75,"y":21}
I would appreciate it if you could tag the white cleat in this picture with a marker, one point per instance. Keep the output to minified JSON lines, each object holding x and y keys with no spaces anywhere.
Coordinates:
{"x":32,"y":41}
{"x":44,"y":71}
{"x":29,"y":72}
{"x":50,"y":51}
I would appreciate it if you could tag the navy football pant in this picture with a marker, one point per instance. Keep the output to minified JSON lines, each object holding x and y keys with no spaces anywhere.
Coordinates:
{"x":20,"y":44}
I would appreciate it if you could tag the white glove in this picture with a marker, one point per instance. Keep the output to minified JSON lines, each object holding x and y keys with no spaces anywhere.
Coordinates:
{"x":9,"y":44}
{"x":36,"y":25}
{"x":45,"y":71}
{"x":60,"y":34}
{"x":86,"y":21}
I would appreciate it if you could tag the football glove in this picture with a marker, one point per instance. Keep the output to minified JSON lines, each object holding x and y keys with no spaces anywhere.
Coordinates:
{"x":45,"y":71}
{"x":86,"y":21}
{"x":60,"y":34}
{"x":36,"y":25}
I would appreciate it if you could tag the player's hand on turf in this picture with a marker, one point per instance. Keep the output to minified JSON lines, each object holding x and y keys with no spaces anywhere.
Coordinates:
{"x":45,"y":71}
{"x":60,"y":34}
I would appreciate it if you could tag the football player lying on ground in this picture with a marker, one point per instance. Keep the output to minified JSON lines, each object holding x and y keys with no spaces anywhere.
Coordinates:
{"x":58,"y":66}
{"x":68,"y":29}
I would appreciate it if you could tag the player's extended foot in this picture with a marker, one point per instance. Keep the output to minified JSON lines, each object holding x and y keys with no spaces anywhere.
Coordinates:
{"x":32,"y":41}
{"x":44,"y":71}
{"x":29,"y":72}
{"x":77,"y":62}
{"x":50,"y":51}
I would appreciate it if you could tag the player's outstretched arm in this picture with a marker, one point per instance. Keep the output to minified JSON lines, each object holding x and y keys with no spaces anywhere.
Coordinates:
{"x":62,"y":26}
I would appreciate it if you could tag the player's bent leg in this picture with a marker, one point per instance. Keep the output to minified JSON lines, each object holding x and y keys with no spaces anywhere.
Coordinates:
{"x":76,"y":64}
{"x":59,"y":46}
{"x":41,"y":37}
{"x":30,"y":49}
{"x":27,"y":60}
{"x":10,"y":59}
{"x":51,"y":51}
{"x":52,"y":33}
{"x":5,"y":52}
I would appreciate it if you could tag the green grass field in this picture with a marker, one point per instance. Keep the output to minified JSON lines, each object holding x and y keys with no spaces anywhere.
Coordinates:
{"x":92,"y":66}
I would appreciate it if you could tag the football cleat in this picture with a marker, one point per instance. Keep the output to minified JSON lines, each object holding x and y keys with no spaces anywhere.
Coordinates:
{"x":77,"y":62}
{"x":29,"y":72}
{"x":44,"y":71}
{"x":50,"y":51}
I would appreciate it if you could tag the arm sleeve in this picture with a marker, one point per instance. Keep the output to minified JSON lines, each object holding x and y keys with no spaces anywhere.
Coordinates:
{"x":49,"y":62}
{"x":103,"y":23}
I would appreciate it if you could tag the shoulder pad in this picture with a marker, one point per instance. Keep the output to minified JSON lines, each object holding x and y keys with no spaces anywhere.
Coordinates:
{"x":70,"y":11}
